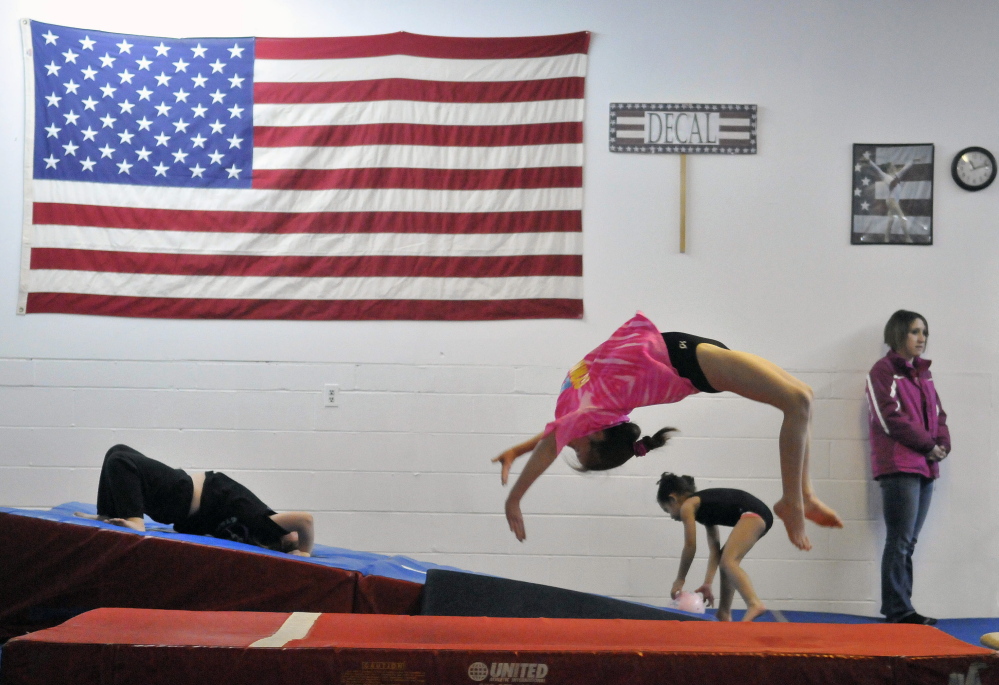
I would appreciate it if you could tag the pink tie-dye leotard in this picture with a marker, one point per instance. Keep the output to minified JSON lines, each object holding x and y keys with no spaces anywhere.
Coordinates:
{"x":632,"y":369}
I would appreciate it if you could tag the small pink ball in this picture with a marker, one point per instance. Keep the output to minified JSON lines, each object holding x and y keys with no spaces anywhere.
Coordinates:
{"x":691,"y":602}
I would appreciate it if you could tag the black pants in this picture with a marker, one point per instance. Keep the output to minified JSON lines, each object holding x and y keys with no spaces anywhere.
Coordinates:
{"x":133,"y":485}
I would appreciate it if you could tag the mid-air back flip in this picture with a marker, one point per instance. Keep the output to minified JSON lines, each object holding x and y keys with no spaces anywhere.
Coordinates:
{"x":639,"y":366}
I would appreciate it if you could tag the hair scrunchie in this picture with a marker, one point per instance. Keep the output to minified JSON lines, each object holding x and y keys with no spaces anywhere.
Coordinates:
{"x":640,"y":449}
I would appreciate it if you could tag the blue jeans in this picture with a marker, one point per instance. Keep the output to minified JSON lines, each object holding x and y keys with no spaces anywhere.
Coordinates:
{"x":906,"y":499}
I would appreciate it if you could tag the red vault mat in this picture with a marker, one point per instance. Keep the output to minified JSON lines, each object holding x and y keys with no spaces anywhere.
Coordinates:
{"x":125,"y":646}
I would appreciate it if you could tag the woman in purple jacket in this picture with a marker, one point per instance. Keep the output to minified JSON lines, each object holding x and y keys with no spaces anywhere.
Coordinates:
{"x":909,"y":438}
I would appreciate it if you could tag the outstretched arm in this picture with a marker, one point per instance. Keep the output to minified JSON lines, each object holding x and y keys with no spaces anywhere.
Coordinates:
{"x":906,"y":167}
{"x":881,"y":172}
{"x":508,"y":457}
{"x":541,"y":458}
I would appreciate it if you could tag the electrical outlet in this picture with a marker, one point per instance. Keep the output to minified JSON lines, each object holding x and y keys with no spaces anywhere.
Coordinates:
{"x":331,"y":395}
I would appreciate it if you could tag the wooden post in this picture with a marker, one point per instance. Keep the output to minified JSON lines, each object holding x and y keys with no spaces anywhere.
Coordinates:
{"x":683,"y":203}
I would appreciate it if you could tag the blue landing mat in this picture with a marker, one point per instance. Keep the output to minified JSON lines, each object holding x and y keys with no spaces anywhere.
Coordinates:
{"x":365,"y":563}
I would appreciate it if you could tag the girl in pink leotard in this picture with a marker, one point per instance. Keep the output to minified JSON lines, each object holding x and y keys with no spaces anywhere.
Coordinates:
{"x":639,"y":366}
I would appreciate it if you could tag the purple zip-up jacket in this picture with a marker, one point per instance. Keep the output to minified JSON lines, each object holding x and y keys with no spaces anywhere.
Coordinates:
{"x":907,"y":419}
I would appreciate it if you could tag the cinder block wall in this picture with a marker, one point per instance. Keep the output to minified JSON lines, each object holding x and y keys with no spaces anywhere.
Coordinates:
{"x":402,"y":466}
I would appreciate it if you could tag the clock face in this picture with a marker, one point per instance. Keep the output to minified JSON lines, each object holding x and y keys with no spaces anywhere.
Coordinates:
{"x":974,"y":168}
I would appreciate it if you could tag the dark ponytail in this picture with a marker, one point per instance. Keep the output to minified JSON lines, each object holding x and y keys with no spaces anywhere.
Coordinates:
{"x":621,"y":443}
{"x":651,"y":442}
{"x":672,"y":484}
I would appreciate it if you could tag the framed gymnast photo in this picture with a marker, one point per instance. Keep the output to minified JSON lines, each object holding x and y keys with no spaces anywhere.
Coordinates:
{"x":892,"y":194}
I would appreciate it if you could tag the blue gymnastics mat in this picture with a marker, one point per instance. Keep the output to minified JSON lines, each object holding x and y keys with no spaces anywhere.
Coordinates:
{"x":365,"y":563}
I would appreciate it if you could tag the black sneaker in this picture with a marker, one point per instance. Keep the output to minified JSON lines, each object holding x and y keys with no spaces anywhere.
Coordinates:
{"x":915,"y":618}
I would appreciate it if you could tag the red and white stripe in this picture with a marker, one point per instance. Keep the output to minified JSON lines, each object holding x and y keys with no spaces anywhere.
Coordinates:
{"x":395,"y":177}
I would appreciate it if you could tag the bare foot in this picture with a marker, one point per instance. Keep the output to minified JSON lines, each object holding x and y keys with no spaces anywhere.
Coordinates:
{"x":723,"y":615}
{"x":818,"y":511}
{"x":753,"y":612}
{"x":125,"y":523}
{"x":794,"y":521}
{"x":90,"y":517}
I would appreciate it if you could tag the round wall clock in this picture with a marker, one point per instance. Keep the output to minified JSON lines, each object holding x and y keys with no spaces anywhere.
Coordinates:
{"x":974,"y":168}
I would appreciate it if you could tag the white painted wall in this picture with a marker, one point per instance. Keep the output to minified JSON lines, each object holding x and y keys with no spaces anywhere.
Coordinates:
{"x":402,"y":466}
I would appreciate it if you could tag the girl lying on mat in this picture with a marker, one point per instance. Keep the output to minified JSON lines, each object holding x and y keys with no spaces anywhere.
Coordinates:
{"x":638,"y":367}
{"x":200,"y":503}
{"x":750,"y":520}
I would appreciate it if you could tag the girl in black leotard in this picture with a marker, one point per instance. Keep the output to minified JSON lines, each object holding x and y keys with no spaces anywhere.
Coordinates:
{"x":750,"y":520}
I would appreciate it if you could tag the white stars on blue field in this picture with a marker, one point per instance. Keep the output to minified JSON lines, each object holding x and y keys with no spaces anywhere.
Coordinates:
{"x":114,"y":108}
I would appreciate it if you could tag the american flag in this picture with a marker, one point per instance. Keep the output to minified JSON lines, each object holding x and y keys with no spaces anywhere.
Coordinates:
{"x":397,"y":176}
